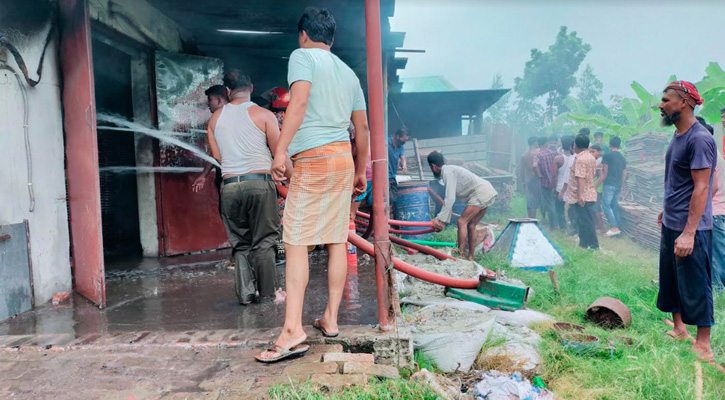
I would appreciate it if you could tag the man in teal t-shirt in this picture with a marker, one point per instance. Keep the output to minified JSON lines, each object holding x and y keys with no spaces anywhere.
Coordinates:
{"x":325,"y":95}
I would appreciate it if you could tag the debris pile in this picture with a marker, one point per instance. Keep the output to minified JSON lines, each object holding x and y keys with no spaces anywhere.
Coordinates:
{"x":494,"y":385}
{"x":452,"y":333}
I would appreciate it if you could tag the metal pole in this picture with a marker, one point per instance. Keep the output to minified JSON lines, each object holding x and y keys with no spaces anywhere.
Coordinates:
{"x":379,"y":158}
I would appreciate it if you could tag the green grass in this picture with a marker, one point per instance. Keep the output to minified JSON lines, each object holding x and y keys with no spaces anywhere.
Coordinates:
{"x":425,"y":362}
{"x":656,"y":367}
{"x":375,"y":390}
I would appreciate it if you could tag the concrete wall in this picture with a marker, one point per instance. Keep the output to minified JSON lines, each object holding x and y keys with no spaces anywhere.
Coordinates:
{"x":49,"y":239}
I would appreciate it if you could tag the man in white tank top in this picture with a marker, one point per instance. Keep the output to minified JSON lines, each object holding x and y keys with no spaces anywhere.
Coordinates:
{"x":242,"y":137}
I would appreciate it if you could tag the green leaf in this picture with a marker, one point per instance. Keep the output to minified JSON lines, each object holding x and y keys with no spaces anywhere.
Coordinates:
{"x":643,"y":95}
{"x":600,"y":109}
{"x":652,"y":125}
{"x":595,"y":119}
{"x":575,"y":105}
{"x":710,"y":83}
{"x":629,"y":108}
{"x":711,"y":108}
{"x":713,"y":69}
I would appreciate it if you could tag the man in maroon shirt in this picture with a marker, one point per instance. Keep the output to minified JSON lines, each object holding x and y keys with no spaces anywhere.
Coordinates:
{"x":528,"y":179}
{"x":545,"y":168}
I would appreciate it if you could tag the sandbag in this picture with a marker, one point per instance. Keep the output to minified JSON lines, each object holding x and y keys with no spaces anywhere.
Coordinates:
{"x":451,"y":337}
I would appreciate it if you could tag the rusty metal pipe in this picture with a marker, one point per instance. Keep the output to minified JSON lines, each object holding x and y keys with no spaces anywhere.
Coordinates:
{"x":379,"y":157}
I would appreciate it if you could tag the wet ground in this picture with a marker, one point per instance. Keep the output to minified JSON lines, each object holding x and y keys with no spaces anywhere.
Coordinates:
{"x":193,"y":292}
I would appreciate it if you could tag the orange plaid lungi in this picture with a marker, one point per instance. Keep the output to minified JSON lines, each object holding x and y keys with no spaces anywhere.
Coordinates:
{"x":317,"y":210}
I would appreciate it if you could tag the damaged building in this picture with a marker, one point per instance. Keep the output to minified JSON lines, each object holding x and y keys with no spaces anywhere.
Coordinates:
{"x":82,"y":198}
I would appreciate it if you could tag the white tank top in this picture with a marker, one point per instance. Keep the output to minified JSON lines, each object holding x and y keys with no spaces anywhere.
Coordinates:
{"x":563,"y":176}
{"x":243,"y":146}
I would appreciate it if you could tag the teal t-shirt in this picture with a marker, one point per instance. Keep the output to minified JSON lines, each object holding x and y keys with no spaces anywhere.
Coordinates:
{"x":335,"y":93}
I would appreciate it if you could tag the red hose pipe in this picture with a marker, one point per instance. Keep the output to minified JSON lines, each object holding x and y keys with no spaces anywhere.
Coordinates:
{"x":438,"y":199}
{"x":422,"y":224}
{"x":282,"y":190}
{"x":416,"y":272}
{"x":400,"y":232}
{"x":412,"y":232}
{"x":424,"y":249}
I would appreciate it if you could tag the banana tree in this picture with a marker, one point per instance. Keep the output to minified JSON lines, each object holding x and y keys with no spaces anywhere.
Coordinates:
{"x":630,"y":118}
{"x":712,"y":89}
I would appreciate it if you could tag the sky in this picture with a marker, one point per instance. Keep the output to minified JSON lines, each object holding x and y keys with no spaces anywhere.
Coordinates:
{"x":469,"y":41}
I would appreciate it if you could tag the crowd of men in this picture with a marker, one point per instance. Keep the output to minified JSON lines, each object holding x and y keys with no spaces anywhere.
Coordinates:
{"x":587,"y":177}
{"x":567,"y":179}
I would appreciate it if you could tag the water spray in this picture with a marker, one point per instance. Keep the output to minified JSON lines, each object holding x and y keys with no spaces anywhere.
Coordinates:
{"x":164,"y":136}
{"x":150,"y":170}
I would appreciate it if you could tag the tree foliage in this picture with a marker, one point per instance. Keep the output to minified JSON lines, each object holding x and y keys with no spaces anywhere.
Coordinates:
{"x":590,"y":87}
{"x":552,"y":72}
{"x":497,"y":112}
{"x":712,"y":89}
{"x":527,"y":116}
{"x":628,"y":117}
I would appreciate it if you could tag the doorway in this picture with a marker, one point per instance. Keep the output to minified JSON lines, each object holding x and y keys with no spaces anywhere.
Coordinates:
{"x":116,"y":156}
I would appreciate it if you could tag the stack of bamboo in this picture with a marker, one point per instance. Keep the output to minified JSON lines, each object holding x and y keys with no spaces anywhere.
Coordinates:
{"x":645,"y":189}
{"x":646,"y":148}
{"x":640,"y":222}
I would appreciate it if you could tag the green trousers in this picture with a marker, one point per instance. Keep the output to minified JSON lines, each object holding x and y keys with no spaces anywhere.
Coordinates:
{"x":251,"y":218}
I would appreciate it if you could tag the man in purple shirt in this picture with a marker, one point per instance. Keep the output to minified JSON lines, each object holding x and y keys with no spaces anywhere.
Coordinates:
{"x":686,"y":245}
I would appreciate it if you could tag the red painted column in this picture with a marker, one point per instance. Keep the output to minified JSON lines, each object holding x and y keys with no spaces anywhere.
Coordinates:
{"x":379,"y":156}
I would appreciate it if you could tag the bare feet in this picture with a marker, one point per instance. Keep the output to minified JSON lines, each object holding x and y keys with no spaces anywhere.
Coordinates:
{"x":678,"y":333}
{"x":280,"y":296}
{"x":286,"y":340}
{"x":704,"y":353}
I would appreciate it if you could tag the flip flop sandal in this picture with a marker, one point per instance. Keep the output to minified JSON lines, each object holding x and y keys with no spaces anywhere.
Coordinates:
{"x":672,"y":335}
{"x":317,"y":325}
{"x":293,"y":351}
{"x":707,"y":360}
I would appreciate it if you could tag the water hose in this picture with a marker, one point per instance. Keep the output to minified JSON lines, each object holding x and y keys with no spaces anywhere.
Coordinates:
{"x":415,"y":272}
{"x":433,"y":243}
{"x":423,"y":249}
{"x":400,"y":231}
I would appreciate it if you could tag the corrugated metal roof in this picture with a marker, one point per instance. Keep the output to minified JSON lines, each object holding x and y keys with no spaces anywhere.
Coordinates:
{"x":427,"y":84}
